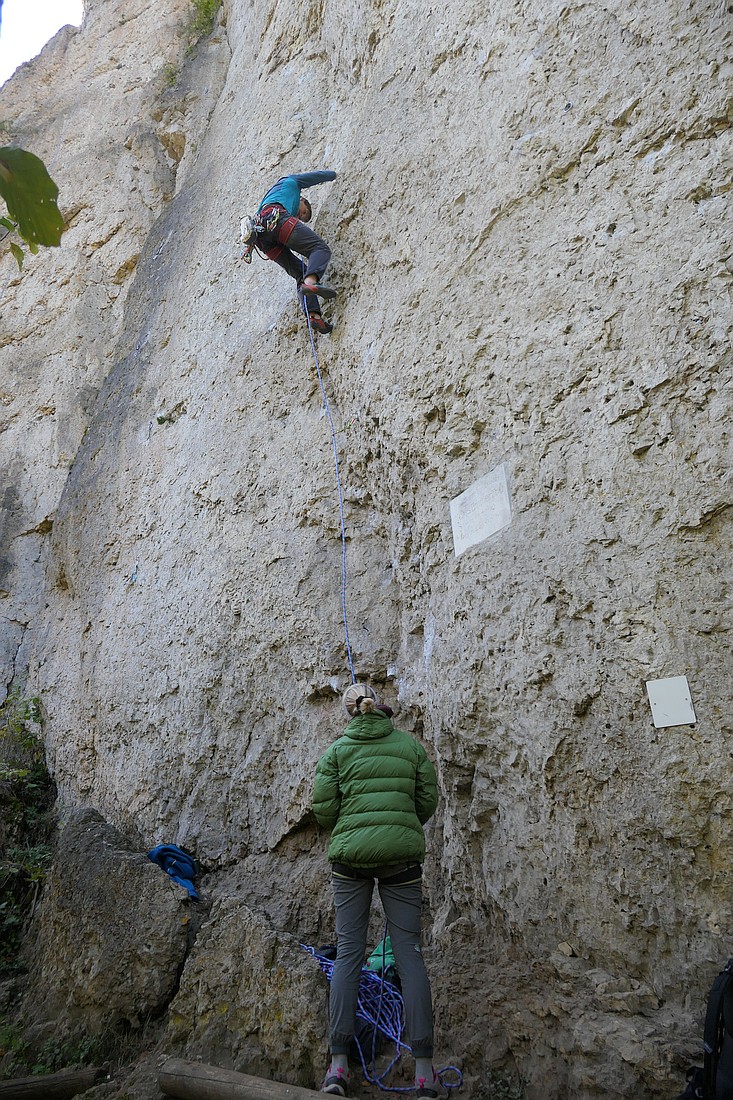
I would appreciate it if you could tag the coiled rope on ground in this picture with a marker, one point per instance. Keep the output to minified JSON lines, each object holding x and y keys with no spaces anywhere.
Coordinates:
{"x":379,"y":1003}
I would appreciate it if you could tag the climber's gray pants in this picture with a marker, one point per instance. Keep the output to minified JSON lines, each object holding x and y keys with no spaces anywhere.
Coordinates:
{"x":307,"y":243}
{"x":402,"y":908}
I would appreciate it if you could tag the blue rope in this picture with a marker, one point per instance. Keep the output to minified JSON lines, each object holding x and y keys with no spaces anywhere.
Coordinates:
{"x":338,"y":485}
{"x":380,"y":1004}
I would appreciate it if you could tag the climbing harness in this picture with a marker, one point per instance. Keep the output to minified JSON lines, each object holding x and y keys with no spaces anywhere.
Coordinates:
{"x":326,"y":406}
{"x":379,"y":1004}
{"x":264,"y":222}
{"x":273,"y":220}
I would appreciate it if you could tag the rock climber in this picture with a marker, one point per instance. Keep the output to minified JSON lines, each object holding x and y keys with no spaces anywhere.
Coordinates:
{"x":374,"y":789}
{"x":285,"y":213}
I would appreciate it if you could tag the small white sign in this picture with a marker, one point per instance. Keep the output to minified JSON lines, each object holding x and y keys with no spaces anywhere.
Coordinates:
{"x":482,"y":510}
{"x":671,"y":702}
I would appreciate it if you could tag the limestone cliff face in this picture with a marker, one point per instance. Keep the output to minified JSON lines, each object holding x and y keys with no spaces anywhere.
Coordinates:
{"x":531,"y":235}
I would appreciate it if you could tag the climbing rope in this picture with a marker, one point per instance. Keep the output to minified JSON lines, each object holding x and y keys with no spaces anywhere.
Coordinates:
{"x":326,"y":406}
{"x":250,"y":247}
{"x":379,"y":1004}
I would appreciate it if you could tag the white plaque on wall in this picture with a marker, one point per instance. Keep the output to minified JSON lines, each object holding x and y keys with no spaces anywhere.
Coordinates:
{"x":482,"y":510}
{"x":671,"y":702}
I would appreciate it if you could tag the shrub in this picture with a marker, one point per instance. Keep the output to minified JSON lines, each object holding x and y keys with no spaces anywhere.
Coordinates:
{"x":27,"y":794}
{"x":201,"y":20}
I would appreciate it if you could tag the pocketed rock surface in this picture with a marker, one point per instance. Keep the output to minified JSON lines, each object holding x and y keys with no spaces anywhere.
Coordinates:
{"x":531,"y":245}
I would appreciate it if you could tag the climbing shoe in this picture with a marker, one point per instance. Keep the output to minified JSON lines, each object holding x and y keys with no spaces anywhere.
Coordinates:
{"x":430,"y":1090}
{"x":320,"y":291}
{"x":336,"y":1083}
{"x":320,"y":324}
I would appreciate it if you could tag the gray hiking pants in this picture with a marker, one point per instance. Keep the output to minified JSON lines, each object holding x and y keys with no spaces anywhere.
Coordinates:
{"x":403,"y":909}
{"x":304,"y":241}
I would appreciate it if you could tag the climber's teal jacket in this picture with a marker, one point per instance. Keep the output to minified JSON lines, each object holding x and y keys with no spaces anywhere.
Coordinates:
{"x":374,"y":788}
{"x":287,"y":189}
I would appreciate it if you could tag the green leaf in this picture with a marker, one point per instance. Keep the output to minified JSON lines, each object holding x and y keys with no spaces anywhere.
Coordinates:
{"x":7,"y":223}
{"x":18,"y":253}
{"x":30,"y":195}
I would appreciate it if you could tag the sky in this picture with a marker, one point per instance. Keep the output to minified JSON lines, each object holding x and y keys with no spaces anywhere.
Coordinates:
{"x":27,"y":26}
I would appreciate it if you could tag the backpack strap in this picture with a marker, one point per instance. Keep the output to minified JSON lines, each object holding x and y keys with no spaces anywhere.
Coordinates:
{"x":715,"y":1028}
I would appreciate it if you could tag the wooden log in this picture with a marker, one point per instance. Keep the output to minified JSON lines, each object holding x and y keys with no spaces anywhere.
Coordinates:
{"x":196,"y":1081}
{"x":52,"y":1086}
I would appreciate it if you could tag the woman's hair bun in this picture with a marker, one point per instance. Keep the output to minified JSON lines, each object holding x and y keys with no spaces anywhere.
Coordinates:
{"x":357,"y":697}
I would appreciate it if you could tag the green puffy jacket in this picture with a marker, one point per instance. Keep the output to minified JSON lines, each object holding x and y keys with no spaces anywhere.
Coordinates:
{"x":375,"y":787}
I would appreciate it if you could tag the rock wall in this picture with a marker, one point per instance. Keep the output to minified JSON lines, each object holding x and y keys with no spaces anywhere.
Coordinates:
{"x":83,"y":980}
{"x":531,"y":235}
